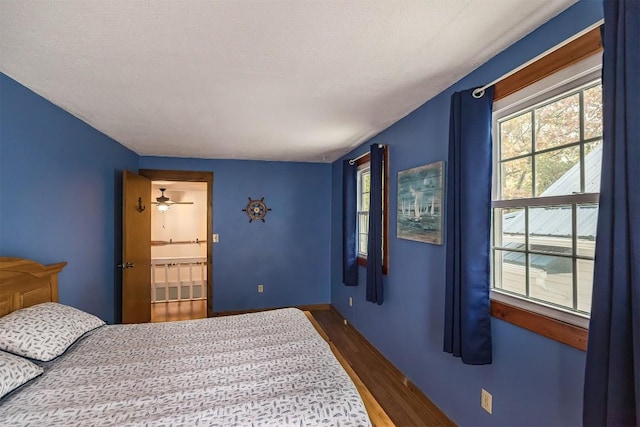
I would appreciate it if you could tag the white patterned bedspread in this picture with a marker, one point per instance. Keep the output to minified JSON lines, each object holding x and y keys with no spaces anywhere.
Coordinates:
{"x":269,"y":368}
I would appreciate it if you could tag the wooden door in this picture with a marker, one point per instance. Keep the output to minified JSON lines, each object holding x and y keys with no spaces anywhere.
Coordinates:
{"x":136,"y":248}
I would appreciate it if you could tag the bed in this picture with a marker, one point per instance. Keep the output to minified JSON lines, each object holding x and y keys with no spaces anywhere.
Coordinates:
{"x":267,"y":368}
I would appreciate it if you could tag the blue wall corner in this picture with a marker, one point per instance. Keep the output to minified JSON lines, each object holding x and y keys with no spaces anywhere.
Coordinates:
{"x":534,"y":380}
{"x":60,"y":196}
{"x":60,"y":200}
{"x":289,"y":253}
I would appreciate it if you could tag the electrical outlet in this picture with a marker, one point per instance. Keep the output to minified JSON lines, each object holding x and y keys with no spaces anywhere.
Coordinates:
{"x":486,"y":401}
{"x":345,"y":321}
{"x":215,"y":238}
{"x":260,"y":289}
{"x":350,"y":301}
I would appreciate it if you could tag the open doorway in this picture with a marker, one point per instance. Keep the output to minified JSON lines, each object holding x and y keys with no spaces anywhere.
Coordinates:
{"x":181,"y":246}
{"x":178,"y":250}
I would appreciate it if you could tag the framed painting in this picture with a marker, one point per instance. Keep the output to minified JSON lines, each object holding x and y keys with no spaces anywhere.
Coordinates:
{"x":420,"y":203}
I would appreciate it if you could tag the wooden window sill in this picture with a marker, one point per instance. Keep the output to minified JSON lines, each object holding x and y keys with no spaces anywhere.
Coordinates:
{"x":557,"y":330}
{"x":363,"y":262}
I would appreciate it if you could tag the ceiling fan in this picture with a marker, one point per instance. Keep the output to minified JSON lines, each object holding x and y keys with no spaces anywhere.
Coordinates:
{"x":163,"y":202}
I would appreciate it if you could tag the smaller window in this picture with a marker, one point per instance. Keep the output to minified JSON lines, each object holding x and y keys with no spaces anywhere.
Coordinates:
{"x":364,"y":187}
{"x":364,"y":181}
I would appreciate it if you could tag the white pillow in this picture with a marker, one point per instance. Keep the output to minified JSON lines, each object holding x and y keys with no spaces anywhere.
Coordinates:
{"x":15,"y":371}
{"x":44,"y":331}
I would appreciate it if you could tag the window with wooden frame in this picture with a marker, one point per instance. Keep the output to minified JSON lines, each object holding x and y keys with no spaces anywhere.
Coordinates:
{"x":363,"y":188}
{"x":547,"y":156}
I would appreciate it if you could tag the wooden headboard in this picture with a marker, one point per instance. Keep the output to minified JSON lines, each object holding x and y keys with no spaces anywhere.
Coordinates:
{"x":24,"y":283}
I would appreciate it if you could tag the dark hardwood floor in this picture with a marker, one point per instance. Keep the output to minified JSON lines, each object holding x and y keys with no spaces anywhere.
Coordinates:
{"x":404,"y":403}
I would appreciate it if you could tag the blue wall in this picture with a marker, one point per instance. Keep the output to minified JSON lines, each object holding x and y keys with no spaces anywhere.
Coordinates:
{"x":534,"y":380}
{"x":289,"y":253}
{"x":60,"y":195}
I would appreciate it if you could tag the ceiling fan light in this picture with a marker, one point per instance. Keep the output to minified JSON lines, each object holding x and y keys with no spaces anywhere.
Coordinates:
{"x":163,"y":207}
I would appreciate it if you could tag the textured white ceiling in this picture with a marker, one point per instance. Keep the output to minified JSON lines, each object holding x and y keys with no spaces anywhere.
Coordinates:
{"x":291,"y":80}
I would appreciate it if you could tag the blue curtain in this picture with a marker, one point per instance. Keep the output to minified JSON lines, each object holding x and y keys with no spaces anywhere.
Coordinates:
{"x":349,"y":214}
{"x":467,"y":329}
{"x":612,"y":378}
{"x":374,"y":245}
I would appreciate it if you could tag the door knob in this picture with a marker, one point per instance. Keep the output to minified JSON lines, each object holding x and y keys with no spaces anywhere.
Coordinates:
{"x":126,"y":265}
